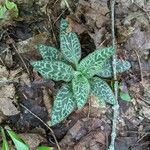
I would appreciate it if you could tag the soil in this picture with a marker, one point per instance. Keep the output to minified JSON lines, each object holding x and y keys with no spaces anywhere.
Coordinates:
{"x":23,"y":89}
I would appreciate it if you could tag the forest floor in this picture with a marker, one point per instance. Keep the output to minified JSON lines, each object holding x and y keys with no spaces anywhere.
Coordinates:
{"x":23,"y":89}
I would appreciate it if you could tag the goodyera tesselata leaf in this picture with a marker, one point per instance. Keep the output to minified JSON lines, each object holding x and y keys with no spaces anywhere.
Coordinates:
{"x":64,"y":104}
{"x":48,"y":52}
{"x":93,"y":63}
{"x":63,"y":26}
{"x":102,"y":91}
{"x":54,"y":70}
{"x":107,"y":69}
{"x":81,"y":89}
{"x":70,"y":47}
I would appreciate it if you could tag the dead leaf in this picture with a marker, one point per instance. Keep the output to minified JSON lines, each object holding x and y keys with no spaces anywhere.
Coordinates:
{"x":93,"y":141}
{"x":28,"y":46}
{"x":32,"y":139}
{"x":7,"y":107}
{"x":81,"y":130}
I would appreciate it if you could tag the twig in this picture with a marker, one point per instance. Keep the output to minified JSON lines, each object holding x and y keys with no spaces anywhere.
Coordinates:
{"x":116,"y":106}
{"x":44,"y":124}
{"x":89,"y":108}
{"x":16,"y":50}
{"x":140,"y":66}
{"x":68,"y":6}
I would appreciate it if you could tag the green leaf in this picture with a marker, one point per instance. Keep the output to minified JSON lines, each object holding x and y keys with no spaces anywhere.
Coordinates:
{"x":13,"y":7}
{"x":44,"y":148}
{"x":125,"y":96}
{"x":63,"y":26}
{"x":123,"y":93}
{"x":10,"y":7}
{"x":81,"y":89}
{"x":5,"y":145}
{"x":107,"y":69}
{"x":102,"y":91}
{"x":70,"y":47}
{"x":3,"y":10}
{"x":19,"y":143}
{"x":93,"y":63}
{"x":55,"y":70}
{"x":48,"y":52}
{"x":64,"y":104}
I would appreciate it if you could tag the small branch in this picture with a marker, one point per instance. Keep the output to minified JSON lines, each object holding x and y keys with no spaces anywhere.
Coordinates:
{"x":44,"y":124}
{"x":116,"y":106}
{"x":140,"y":66}
{"x":68,"y":6}
{"x":16,"y":50}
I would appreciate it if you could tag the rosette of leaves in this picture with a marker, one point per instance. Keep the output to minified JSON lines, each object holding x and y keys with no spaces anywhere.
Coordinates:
{"x":82,"y":77}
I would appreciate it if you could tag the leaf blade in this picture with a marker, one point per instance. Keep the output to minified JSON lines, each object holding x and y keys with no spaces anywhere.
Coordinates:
{"x":48,"y":52}
{"x":81,"y":89}
{"x":92,"y":64}
{"x":55,"y":70}
{"x":102,"y":91}
{"x":64,"y":104}
{"x":19,"y":143}
{"x":5,"y":145}
{"x":44,"y":148}
{"x":107,"y":69}
{"x":63,"y":26}
{"x":70,"y":47}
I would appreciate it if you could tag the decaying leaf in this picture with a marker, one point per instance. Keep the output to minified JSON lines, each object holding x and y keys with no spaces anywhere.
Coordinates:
{"x":7,"y":107}
{"x":33,"y":140}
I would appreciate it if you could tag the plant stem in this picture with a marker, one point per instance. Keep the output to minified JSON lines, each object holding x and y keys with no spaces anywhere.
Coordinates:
{"x":116,"y":106}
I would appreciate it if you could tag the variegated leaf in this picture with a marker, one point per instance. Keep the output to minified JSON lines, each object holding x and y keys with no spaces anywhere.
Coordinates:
{"x":94,"y":62}
{"x":107,"y":69}
{"x":48,"y":52}
{"x":64,"y":104}
{"x":102,"y":91}
{"x":55,"y":70}
{"x":81,"y":89}
{"x":63,"y":26}
{"x":70,"y":47}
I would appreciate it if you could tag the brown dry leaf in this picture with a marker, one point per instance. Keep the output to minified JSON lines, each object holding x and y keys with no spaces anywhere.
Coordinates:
{"x":139,"y":40}
{"x":95,"y":15}
{"x":47,"y":100}
{"x":7,"y":93}
{"x":95,"y":12}
{"x":19,"y":75}
{"x":74,"y":26}
{"x":93,"y":141}
{"x":3,"y":72}
{"x":7,"y":107}
{"x":33,"y":139}
{"x":80,"y":130}
{"x":145,"y":102}
{"x":28,"y":46}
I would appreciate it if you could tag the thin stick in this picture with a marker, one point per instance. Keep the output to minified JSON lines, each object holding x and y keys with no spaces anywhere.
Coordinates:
{"x":44,"y":124}
{"x":16,"y":50}
{"x":116,"y":106}
{"x":68,"y":6}
{"x":140,"y":66}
